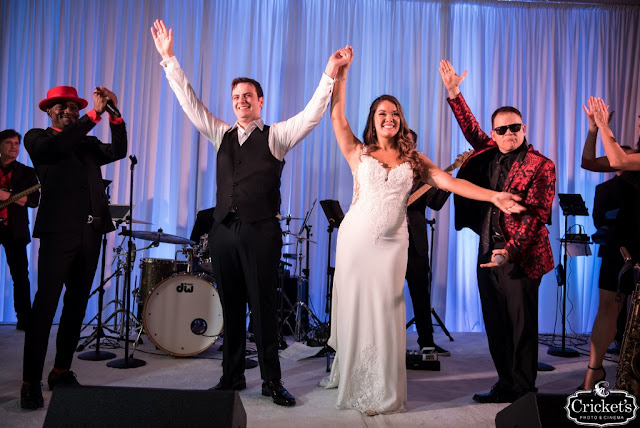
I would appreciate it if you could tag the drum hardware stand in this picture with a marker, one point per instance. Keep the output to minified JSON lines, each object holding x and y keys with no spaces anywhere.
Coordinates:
{"x":439,"y":322}
{"x":98,"y":333}
{"x":303,"y":282}
{"x":120,"y":312}
{"x":334,"y":214}
{"x":571,"y":204}
{"x":128,"y":362}
{"x":281,"y":299}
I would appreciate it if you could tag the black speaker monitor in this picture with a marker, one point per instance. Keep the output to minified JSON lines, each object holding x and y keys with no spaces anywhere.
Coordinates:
{"x":107,"y":406}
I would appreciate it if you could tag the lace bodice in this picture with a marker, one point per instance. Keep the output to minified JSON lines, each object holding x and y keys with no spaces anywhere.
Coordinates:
{"x":380,"y":195}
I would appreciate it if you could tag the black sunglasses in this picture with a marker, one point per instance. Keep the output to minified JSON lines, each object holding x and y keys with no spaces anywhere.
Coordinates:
{"x":514,"y":127}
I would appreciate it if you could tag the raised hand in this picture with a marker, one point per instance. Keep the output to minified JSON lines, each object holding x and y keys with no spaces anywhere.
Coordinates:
{"x":100,"y":97}
{"x":507,"y":202}
{"x":600,"y":112}
{"x":339,"y":61}
{"x":589,"y":112}
{"x":162,"y":38}
{"x":450,"y":79}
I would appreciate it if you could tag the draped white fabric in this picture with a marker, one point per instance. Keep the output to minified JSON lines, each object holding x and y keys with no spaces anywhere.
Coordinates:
{"x":545,"y":59}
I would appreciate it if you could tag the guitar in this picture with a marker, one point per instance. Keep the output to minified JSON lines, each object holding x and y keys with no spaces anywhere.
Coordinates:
{"x":462,"y":157}
{"x":17,"y":196}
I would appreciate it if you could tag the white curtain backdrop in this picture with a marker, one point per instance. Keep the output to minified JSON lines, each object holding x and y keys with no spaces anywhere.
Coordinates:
{"x":545,"y":59}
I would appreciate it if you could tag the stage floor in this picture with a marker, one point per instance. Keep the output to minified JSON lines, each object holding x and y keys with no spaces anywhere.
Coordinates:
{"x":436,"y":398}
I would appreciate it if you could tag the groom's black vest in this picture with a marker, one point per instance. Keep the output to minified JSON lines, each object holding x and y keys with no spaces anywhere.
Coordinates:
{"x":248,"y":177}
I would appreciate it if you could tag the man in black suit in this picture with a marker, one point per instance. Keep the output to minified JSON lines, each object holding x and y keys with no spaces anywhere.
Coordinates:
{"x":418,"y":267}
{"x":246,"y":239}
{"x":73,"y":215}
{"x":14,"y":221}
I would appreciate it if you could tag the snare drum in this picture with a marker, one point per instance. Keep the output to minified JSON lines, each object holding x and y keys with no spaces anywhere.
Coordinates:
{"x":183,"y":315}
{"x":154,"y":271}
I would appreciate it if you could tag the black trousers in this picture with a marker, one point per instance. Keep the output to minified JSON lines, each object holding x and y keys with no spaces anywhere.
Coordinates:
{"x":418,"y":282}
{"x":69,"y":261}
{"x":16,"y":253}
{"x":510,"y":311}
{"x":245,"y":258}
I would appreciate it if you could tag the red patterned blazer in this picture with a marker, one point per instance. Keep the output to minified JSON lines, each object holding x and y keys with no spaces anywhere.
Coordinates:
{"x":532,"y":176}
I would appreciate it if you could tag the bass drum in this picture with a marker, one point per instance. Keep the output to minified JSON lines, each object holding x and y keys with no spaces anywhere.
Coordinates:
{"x":183,"y":315}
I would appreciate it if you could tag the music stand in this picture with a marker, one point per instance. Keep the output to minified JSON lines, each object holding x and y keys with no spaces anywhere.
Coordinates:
{"x":571,"y":204}
{"x":334,"y":214}
{"x":119,"y":212}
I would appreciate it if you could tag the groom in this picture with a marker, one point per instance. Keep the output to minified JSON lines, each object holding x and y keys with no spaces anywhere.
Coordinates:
{"x":246,"y":239}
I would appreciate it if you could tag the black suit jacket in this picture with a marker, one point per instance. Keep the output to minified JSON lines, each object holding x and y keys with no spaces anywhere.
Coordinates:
{"x":68,"y":166}
{"x":22,"y":178}
{"x":435,"y":199}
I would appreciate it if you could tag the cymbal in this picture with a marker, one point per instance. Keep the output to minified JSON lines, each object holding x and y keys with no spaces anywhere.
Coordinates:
{"x":157,"y":237}
{"x":140,"y":221}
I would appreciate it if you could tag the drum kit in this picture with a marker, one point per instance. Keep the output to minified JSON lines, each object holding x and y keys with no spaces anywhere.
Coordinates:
{"x":178,"y":302}
{"x":178,"y":305}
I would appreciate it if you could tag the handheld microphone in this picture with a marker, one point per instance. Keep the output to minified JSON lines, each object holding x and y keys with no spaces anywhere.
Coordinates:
{"x":498,"y":259}
{"x":112,"y":109}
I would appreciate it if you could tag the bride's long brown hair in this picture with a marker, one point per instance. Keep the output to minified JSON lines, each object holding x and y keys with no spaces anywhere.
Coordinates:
{"x":403,"y":141}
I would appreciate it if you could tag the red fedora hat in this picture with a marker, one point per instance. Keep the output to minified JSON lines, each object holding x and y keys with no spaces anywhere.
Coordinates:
{"x":61,"y":93}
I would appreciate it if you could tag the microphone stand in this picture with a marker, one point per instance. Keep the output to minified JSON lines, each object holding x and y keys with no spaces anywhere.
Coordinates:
{"x":97,"y":354}
{"x":128,"y":362}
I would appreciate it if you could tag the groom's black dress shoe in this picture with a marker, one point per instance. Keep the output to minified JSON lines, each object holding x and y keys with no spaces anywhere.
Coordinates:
{"x":238,"y":384}
{"x":278,"y":393}
{"x":497,"y":395}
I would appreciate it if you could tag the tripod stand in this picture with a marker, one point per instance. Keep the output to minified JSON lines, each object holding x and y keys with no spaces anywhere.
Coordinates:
{"x":98,"y":333}
{"x":571,"y":204}
{"x":439,"y":321}
{"x":304,"y":314}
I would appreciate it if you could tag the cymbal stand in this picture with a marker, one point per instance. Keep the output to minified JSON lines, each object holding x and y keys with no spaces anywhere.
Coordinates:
{"x":120,"y":312}
{"x":303,"y":285}
{"x":128,"y":362}
{"x":281,"y":298}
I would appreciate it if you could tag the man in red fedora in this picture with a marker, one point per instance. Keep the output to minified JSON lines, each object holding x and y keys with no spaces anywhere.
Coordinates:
{"x":73,"y":215}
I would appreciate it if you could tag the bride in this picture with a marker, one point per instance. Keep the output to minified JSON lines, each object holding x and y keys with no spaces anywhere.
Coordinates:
{"x":368,"y":309}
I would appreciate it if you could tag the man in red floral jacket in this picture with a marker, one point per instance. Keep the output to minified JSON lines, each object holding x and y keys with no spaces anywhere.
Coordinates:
{"x":514,"y":251}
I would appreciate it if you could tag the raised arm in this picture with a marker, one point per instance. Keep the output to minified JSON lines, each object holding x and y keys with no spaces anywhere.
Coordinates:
{"x":469,"y":126}
{"x":589,"y":160}
{"x":450,"y":79}
{"x":349,"y":145}
{"x":434,"y":176}
{"x":618,"y":158}
{"x":290,"y":132}
{"x":204,"y":121}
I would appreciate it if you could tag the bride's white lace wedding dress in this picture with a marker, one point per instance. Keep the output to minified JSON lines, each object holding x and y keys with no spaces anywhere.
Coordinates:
{"x":368,"y":310}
